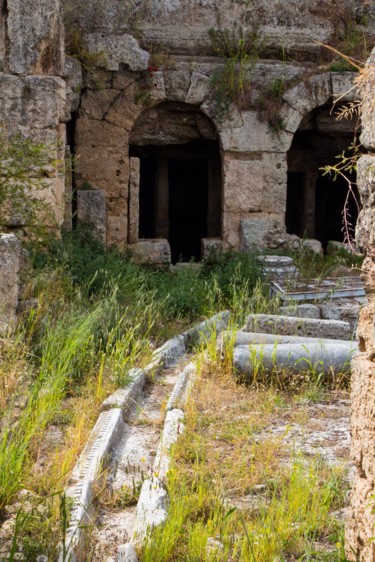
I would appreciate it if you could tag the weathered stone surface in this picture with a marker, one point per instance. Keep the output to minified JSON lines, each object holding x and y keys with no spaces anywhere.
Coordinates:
{"x":253,"y":338}
{"x":127,"y":553}
{"x":211,"y":249}
{"x":155,"y":250}
{"x":169,"y":354}
{"x":33,"y":105}
{"x":203,"y":332}
{"x":360,"y":521}
{"x":312,"y":245}
{"x":326,"y":358}
{"x":134,"y":200}
{"x":302,"y":311}
{"x":243,"y":182}
{"x":343,"y":86}
{"x":254,"y":135}
{"x":348,"y":312}
{"x":92,"y":211}
{"x":173,"y":427}
{"x":177,"y":83}
{"x":294,"y":326}
{"x":151,"y":508}
{"x":74,"y":79}
{"x":35,"y":37}
{"x":262,"y":231}
{"x":172,"y":124}
{"x":276,"y":267}
{"x":368,"y":106}
{"x":199,"y":89}
{"x":114,"y":50}
{"x":10,"y":257}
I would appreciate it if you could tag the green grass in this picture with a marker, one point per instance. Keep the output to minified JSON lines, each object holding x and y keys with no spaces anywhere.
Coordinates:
{"x":96,"y":315}
{"x":219,"y":460}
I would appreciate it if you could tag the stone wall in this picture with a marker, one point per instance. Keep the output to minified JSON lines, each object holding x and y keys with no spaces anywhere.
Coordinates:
{"x":33,"y":88}
{"x":146,"y":53}
{"x":361,"y":518}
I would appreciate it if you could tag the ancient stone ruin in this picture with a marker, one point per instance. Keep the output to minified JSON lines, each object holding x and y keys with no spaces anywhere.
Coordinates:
{"x":361,"y":519}
{"x":197,"y":127}
{"x":190,"y":133}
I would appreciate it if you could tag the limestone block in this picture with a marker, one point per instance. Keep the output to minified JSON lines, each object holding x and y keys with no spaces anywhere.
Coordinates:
{"x":254,"y":338}
{"x":361,"y":517}
{"x":114,"y":50}
{"x":91,"y":210}
{"x":177,"y":83}
{"x":170,"y":353}
{"x":35,"y":37}
{"x":231,"y":230}
{"x":368,"y":106}
{"x":73,"y":77}
{"x":261,"y":231}
{"x":275,"y":181}
{"x":10,"y":260}
{"x":243,"y":183}
{"x":366,"y":180}
{"x":152,"y":507}
{"x":306,"y":96}
{"x":156,"y":250}
{"x":94,"y":133}
{"x":134,"y":200}
{"x":126,"y":553}
{"x":32,"y":105}
{"x":96,"y":103}
{"x":211,"y":249}
{"x":303,"y":311}
{"x":157,"y":88}
{"x":348,"y":312}
{"x":199,"y":90}
{"x":312,"y":245}
{"x":294,"y":326}
{"x":117,"y":229}
{"x":254,"y":135}
{"x":343,"y":86}
{"x":172,"y":125}
{"x":204,"y":330}
{"x":320,"y":357}
{"x":231,"y":120}
{"x":173,"y":427}
{"x":105,"y":167}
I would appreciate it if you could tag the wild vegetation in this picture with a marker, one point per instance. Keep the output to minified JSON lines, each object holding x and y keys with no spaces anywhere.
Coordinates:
{"x":89,"y":317}
{"x":240,"y":491}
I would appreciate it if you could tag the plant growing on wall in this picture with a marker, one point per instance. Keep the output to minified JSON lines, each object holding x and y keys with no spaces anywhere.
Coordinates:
{"x":231,"y":81}
{"x":346,"y":166}
{"x":25,"y":167}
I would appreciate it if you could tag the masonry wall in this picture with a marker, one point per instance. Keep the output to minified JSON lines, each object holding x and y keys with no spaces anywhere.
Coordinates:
{"x":33,"y":91}
{"x":360,"y":528}
{"x":173,"y":37}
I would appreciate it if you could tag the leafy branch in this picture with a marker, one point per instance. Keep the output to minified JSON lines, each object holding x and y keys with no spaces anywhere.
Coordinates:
{"x":26,"y":169}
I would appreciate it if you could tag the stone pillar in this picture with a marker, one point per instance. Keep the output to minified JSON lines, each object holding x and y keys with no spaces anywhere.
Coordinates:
{"x":162,"y":201}
{"x":10,"y":255}
{"x":92,"y":211}
{"x":134,"y":180}
{"x":360,"y":524}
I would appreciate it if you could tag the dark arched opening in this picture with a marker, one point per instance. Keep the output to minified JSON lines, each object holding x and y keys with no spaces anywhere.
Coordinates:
{"x":180,"y":177}
{"x":315,"y":202}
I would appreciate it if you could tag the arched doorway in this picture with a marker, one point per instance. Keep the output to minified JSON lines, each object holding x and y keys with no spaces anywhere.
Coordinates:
{"x":179,"y":177}
{"x":315,"y":202}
